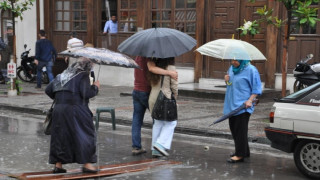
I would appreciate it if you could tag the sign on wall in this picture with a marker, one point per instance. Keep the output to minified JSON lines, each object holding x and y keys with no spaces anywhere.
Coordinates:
{"x":11,"y":72}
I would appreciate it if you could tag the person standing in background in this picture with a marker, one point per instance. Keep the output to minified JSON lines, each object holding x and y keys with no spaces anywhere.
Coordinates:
{"x":45,"y":54}
{"x":111,"y":26}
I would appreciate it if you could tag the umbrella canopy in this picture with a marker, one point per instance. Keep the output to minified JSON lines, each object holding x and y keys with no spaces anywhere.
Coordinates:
{"x":101,"y":56}
{"x":230,"y":114}
{"x":158,"y":43}
{"x":231,"y":49}
{"x":226,"y":116}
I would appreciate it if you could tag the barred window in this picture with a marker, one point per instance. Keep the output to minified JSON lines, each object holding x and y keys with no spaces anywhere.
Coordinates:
{"x":70,"y":15}
{"x":177,"y":14}
{"x":128,"y":16}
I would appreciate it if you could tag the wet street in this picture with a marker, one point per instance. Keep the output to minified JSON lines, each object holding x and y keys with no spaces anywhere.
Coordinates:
{"x":24,"y":148}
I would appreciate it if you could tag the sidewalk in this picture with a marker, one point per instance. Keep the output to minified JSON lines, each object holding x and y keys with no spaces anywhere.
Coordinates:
{"x":198,"y":107}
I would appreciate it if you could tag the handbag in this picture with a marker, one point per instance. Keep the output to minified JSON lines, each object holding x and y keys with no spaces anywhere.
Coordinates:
{"x":48,"y":121}
{"x":164,"y":108}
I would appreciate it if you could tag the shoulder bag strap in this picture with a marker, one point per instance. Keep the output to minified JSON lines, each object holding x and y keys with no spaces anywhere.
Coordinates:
{"x":161,"y":81}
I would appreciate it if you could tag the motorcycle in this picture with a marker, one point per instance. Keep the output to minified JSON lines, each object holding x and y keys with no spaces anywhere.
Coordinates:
{"x":306,"y":74}
{"x":28,"y":70}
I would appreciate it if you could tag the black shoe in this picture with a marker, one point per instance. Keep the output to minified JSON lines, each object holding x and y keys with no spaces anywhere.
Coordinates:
{"x":235,"y":161}
{"x":137,"y":151}
{"x":86,"y":170}
{"x":57,"y":170}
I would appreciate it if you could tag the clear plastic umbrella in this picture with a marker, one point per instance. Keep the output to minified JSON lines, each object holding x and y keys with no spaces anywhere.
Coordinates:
{"x":229,"y":49}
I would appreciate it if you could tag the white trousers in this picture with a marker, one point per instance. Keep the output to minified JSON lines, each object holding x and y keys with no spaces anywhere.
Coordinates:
{"x":162,"y":133}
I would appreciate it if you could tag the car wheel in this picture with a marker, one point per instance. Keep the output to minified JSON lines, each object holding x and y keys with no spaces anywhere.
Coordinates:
{"x":307,"y":158}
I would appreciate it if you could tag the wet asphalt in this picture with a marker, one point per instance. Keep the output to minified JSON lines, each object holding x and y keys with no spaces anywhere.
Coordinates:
{"x":194,"y":114}
{"x":24,"y":148}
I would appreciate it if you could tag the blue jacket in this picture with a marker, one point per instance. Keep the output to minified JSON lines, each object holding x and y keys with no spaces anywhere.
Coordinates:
{"x":244,"y":84}
{"x":45,"y":50}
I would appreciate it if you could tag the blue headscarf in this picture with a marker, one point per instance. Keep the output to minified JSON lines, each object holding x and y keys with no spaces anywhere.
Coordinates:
{"x":243,"y":64}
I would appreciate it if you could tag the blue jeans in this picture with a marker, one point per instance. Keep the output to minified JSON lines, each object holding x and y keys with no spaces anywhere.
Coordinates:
{"x":140,"y":105}
{"x":48,"y":66}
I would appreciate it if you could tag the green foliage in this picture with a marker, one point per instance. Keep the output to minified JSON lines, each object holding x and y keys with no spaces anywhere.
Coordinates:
{"x":249,"y":27}
{"x":297,"y":9}
{"x":19,"y":6}
{"x":17,"y":84}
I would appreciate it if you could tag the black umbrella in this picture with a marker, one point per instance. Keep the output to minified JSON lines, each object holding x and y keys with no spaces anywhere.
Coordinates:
{"x":158,"y":43}
{"x":226,"y":116}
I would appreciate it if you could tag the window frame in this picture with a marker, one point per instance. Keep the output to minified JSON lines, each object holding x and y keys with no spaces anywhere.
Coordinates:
{"x":183,"y":21}
{"x":129,"y":10}
{"x":71,"y":21}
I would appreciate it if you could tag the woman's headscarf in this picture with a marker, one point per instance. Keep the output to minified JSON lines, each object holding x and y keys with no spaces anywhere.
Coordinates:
{"x":243,"y":64}
{"x":82,"y":65}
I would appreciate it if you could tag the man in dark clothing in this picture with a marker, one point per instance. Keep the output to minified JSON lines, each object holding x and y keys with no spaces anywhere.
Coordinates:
{"x":45,"y":53}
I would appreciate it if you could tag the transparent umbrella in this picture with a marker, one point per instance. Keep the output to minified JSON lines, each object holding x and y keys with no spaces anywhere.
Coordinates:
{"x":228,"y":49}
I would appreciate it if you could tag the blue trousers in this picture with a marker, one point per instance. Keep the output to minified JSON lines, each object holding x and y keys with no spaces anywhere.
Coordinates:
{"x":48,"y":66}
{"x":140,"y":105}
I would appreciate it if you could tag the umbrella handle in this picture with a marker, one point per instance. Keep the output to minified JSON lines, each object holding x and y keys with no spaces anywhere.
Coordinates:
{"x":98,"y":72}
{"x":255,"y":102}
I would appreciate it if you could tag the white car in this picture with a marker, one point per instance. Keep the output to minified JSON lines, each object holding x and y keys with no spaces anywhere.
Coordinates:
{"x":295,"y":128}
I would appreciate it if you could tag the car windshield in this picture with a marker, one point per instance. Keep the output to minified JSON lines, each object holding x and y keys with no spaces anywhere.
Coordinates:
{"x":301,"y":92}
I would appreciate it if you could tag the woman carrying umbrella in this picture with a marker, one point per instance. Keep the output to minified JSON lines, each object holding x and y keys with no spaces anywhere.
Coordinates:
{"x":243,"y":86}
{"x":72,"y":133}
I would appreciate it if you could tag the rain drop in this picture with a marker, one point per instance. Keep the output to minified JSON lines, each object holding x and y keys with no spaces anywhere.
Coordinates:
{"x":272,"y":176}
{"x":251,"y":172}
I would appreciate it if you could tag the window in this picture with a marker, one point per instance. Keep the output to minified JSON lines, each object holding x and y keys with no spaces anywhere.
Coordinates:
{"x":70,"y":15}
{"x":178,"y":14}
{"x":7,"y":28}
{"x":112,"y":7}
{"x":128,"y":16}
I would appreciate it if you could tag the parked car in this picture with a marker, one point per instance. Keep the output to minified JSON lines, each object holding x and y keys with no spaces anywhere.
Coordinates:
{"x":295,"y":128}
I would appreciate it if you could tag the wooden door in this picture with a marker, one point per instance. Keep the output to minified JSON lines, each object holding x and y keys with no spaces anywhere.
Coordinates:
{"x":224,"y":18}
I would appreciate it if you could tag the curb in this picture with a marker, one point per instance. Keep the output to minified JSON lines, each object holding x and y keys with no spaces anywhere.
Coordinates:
{"x":267,"y":95}
{"x":181,"y":130}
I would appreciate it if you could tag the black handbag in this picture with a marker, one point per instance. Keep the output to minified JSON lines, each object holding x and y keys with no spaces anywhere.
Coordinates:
{"x":164,"y":108}
{"x":48,"y":121}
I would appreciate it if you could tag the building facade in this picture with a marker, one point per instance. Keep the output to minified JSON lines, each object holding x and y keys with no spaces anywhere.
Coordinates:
{"x":205,"y":20}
